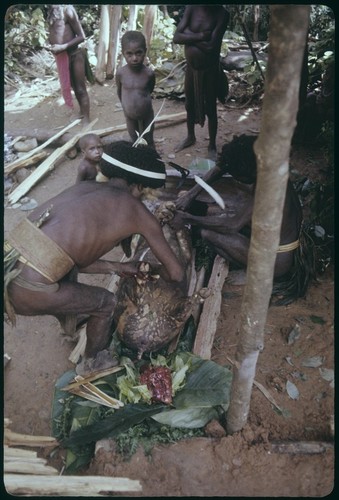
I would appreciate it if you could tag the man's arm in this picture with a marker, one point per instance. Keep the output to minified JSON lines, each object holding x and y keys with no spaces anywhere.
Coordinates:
{"x":183,"y":35}
{"x":152,"y":232}
{"x":215,"y":40}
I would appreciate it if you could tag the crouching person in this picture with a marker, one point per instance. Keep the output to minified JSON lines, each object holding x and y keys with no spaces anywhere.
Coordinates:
{"x":71,"y":232}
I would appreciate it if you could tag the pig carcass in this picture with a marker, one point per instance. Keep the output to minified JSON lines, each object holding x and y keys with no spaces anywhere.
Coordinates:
{"x":149,"y":315}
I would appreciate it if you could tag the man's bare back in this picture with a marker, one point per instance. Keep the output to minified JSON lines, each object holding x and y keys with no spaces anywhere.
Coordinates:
{"x":86,"y":221}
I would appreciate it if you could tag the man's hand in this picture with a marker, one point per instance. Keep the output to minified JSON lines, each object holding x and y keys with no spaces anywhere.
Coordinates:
{"x":141,"y":271}
{"x":56,"y":48}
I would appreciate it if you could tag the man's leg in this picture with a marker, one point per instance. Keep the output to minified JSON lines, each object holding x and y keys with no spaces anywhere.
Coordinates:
{"x":189,"y":106}
{"x":211,"y":112}
{"x":79,"y":84}
{"x":233,"y":246}
{"x":71,"y":298}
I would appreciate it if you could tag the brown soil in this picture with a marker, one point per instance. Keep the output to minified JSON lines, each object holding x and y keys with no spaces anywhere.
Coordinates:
{"x":244,"y":464}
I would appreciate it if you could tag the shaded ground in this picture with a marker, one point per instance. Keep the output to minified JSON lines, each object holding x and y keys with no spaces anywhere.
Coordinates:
{"x":240,"y":465}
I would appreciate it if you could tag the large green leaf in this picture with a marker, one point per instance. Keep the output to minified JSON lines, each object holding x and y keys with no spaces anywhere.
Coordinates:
{"x":208,"y":384}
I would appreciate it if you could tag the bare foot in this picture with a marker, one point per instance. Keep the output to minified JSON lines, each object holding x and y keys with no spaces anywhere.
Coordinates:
{"x":212,"y":153}
{"x":102,"y":361}
{"x":189,"y":141}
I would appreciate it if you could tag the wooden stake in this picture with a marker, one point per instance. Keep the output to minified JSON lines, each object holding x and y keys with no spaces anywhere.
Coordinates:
{"x":211,"y":310}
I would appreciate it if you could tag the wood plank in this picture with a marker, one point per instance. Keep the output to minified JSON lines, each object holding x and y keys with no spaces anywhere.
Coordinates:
{"x":20,"y":161}
{"x":84,"y":486}
{"x":46,"y":166}
{"x":211,"y":310}
{"x":26,"y":162}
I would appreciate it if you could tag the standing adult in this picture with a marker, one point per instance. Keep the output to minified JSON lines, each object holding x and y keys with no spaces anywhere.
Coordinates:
{"x":65,"y":36}
{"x":201,"y":30}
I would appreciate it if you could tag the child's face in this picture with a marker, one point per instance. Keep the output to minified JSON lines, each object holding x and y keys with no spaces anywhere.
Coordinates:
{"x":134,"y":53}
{"x":93,"y":150}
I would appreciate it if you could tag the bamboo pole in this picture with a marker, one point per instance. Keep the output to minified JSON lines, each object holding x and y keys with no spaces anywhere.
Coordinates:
{"x":14,"y":165}
{"x":46,"y":166}
{"x":85,"y":486}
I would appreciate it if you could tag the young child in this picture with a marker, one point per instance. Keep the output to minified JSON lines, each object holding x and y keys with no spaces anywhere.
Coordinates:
{"x":135,"y":83}
{"x":92,"y":149}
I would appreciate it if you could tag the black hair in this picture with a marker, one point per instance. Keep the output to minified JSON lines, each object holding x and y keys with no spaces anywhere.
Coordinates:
{"x":237,"y":158}
{"x":133,"y":36}
{"x":85,"y":138}
{"x":143,"y":157}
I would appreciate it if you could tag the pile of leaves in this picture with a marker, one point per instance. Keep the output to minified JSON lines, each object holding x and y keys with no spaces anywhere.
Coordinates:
{"x":200,"y":391}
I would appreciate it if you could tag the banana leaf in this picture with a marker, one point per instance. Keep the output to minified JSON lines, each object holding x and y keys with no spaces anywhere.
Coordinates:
{"x":189,"y":418}
{"x":207,"y":386}
{"x":112,"y":425}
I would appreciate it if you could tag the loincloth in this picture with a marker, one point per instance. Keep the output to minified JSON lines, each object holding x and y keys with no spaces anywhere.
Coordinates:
{"x":295,"y":283}
{"x":88,"y":70}
{"x":211,"y":81}
{"x":62,"y":62}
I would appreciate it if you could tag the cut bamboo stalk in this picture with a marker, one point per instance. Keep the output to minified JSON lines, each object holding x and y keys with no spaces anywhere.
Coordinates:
{"x":15,"y":439}
{"x":211,"y":310}
{"x":46,"y":166}
{"x":92,"y":377}
{"x":9,"y":168}
{"x":25,"y":467}
{"x":85,"y":486}
{"x":18,"y":452}
{"x":79,"y":349}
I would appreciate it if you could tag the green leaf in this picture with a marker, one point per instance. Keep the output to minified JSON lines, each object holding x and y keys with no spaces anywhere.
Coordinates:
{"x":111,"y":426}
{"x":189,"y":418}
{"x":317,"y":319}
{"x":208,"y":384}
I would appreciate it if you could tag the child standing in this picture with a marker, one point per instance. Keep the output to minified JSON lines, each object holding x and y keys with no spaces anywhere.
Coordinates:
{"x":135,"y":83}
{"x":92,"y":149}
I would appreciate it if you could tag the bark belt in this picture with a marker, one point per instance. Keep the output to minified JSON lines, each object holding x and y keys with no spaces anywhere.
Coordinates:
{"x":39,"y":251}
{"x":288,"y":247}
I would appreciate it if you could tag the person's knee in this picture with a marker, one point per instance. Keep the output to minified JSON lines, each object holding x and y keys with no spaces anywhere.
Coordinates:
{"x":107,"y":303}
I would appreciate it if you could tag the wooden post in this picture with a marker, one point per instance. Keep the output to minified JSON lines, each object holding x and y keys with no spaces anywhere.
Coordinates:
{"x":211,"y":310}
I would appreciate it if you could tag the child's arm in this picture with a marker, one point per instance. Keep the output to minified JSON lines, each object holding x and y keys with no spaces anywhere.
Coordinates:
{"x":151,"y":82}
{"x":118,"y":84}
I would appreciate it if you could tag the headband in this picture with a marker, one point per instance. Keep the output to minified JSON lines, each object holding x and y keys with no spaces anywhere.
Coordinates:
{"x":134,"y":170}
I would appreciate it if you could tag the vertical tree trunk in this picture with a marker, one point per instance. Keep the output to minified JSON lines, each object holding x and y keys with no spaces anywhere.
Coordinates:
{"x":132,"y":17}
{"x":115,"y":21}
{"x":149,"y":20}
{"x":103,"y":44}
{"x":256,"y":12}
{"x":288,"y":27}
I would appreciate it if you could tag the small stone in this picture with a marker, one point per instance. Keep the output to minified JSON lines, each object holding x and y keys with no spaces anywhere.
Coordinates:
{"x":215,"y":429}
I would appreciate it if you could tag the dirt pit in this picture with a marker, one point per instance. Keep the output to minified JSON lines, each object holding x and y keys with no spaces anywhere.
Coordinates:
{"x":245,"y":464}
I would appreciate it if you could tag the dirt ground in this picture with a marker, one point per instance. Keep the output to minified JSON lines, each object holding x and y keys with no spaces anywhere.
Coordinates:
{"x":245,"y":464}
